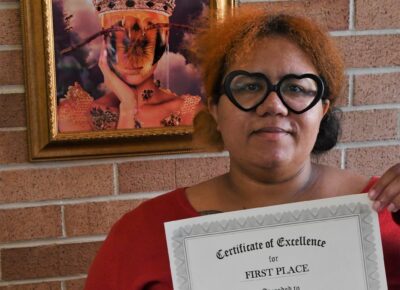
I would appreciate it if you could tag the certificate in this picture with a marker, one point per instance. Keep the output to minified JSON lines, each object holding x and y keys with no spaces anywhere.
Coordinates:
{"x":330,"y":243}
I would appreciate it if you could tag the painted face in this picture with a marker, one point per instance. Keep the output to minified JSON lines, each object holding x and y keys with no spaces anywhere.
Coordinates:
{"x":270,"y":135}
{"x":137,"y":43}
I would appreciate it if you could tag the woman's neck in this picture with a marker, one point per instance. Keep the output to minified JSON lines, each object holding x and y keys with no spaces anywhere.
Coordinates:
{"x":269,"y":187}
{"x":148,"y":93}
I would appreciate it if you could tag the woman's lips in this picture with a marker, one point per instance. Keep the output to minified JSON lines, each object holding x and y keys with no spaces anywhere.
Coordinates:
{"x":272,"y":130}
{"x":130,"y":71}
{"x":271,"y":133}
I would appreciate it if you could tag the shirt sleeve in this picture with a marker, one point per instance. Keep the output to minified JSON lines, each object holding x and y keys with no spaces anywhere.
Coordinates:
{"x":102,"y":272}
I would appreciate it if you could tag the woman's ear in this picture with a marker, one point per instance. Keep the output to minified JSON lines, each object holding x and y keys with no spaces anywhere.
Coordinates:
{"x":325,"y":106}
{"x":213,"y":109}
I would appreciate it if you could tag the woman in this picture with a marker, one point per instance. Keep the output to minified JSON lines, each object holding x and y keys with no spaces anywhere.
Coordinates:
{"x":135,"y":39}
{"x":272,"y":82}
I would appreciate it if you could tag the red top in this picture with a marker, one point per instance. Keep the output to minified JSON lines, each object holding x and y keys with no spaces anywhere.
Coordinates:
{"x":134,"y":255}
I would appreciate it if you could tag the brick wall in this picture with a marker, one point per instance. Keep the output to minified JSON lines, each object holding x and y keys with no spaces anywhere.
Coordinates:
{"x":54,"y":215}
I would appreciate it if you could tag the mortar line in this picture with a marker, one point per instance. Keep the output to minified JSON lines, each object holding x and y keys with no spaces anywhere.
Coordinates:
{"x":372,"y":70}
{"x":41,"y":280}
{"x":369,"y":32}
{"x":368,"y":144}
{"x":77,"y":201}
{"x":12,"y":89}
{"x":54,"y":241}
{"x":115,"y":179}
{"x":13,"y":129}
{"x":109,"y":161}
{"x":63,"y":226}
{"x":358,"y":108}
{"x":352,"y":13}
{"x":351,"y":91}
{"x":9,"y":5}
{"x":10,"y":47}
{"x":343,"y":159}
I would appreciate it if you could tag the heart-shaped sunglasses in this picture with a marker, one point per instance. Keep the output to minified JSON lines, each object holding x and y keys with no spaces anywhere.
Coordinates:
{"x":299,"y":93}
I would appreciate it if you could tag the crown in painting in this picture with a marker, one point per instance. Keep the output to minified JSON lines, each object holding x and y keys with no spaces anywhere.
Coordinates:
{"x":161,"y":6}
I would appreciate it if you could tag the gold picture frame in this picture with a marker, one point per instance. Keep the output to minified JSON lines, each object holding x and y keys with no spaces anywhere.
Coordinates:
{"x":45,"y":142}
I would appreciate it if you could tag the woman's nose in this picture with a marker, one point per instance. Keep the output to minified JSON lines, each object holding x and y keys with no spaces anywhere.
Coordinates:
{"x":272,"y":105}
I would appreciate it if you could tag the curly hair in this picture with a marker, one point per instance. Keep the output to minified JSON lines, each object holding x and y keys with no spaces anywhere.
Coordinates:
{"x":219,"y":44}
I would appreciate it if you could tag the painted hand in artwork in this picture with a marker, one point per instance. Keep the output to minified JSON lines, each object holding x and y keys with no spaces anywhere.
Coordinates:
{"x":126,"y":94}
{"x":386,"y":192}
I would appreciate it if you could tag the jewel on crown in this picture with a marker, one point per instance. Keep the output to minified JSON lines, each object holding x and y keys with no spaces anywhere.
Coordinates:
{"x":162,"y":6}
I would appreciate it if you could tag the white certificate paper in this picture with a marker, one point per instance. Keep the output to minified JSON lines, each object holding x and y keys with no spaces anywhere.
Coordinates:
{"x":321,"y":244}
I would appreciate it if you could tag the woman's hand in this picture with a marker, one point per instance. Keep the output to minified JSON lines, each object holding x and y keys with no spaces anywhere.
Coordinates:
{"x":386,"y":192}
{"x":126,"y":95}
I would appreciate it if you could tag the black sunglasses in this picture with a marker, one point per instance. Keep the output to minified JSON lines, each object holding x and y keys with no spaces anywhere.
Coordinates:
{"x":299,"y":93}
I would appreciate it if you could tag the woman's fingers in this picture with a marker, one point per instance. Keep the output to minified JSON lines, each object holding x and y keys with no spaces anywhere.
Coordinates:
{"x":125,"y":94}
{"x":109,"y":77}
{"x":386,"y":192}
{"x":103,"y":61}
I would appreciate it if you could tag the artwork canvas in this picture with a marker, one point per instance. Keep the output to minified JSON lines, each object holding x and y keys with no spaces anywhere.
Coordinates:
{"x":124,"y":65}
{"x":108,"y":78}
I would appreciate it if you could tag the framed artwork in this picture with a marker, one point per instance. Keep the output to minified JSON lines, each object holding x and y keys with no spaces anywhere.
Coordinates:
{"x":112,"y":77}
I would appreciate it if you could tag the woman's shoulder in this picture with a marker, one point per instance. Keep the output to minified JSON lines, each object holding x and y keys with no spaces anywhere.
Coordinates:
{"x":343,"y":181}
{"x":183,"y":103}
{"x":179,"y":109}
{"x":153,"y":213}
{"x":135,"y":245}
{"x":78,"y":111}
{"x":141,"y":231}
{"x":345,"y":174}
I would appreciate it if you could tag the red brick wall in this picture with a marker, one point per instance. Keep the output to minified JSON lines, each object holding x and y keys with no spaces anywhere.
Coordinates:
{"x":54,"y":215}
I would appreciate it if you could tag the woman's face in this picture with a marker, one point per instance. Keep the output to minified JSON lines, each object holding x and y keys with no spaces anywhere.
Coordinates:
{"x":270,"y":136}
{"x":138,"y":43}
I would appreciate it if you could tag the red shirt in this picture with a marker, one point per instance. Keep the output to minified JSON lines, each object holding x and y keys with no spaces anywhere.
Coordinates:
{"x":134,"y":256}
